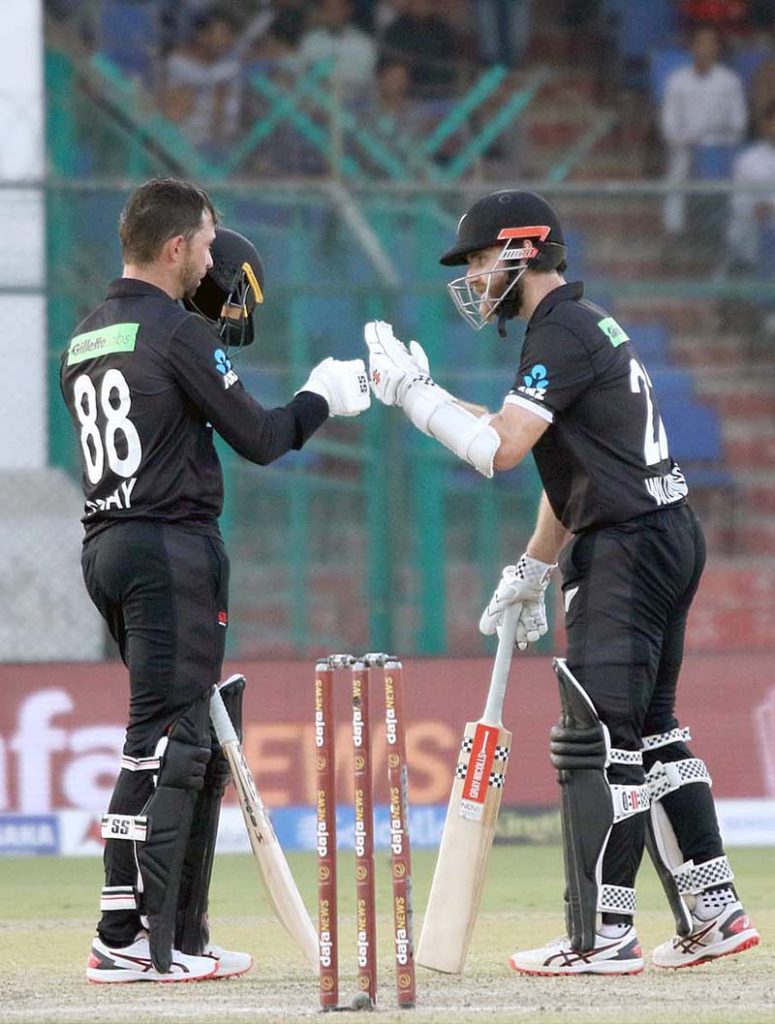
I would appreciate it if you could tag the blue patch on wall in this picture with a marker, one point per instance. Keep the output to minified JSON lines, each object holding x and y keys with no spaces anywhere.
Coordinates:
{"x":22,"y":835}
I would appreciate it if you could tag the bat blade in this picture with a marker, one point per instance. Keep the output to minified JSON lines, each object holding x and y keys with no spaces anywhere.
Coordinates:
{"x":273,"y":867}
{"x":464,"y":851}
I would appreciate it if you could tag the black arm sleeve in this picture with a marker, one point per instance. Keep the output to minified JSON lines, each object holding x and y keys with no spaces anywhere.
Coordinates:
{"x":258,"y":434}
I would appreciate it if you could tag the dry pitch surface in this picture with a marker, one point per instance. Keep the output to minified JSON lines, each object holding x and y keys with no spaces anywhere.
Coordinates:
{"x":46,"y":925}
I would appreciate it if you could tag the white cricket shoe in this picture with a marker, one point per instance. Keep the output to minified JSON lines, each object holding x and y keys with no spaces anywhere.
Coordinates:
{"x":730,"y":931}
{"x":621,"y":955}
{"x":230,"y":963}
{"x":133,"y":963}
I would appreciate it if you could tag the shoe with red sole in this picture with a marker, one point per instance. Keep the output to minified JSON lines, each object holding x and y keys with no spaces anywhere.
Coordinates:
{"x":730,"y":931}
{"x":110,"y":966}
{"x":621,"y":955}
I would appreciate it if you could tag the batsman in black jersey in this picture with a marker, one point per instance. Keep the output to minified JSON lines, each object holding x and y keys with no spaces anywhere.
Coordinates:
{"x":147,"y":379}
{"x":614,"y":515}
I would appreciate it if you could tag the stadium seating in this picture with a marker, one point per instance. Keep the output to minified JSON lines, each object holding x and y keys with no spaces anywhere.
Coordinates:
{"x":642,"y":25}
{"x":696,"y":443}
{"x":128,"y":34}
{"x":713,"y":163}
{"x":651,"y":340}
{"x":663,"y":61}
{"x":746,"y":60}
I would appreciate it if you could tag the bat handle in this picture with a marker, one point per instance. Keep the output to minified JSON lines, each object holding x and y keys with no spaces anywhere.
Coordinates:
{"x":500,"y":670}
{"x":219,"y":716}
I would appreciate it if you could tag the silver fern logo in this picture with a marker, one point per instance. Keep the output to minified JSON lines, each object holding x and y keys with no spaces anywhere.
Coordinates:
{"x":536,"y":382}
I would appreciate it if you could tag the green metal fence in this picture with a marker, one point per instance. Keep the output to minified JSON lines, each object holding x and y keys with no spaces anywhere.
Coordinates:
{"x":373,"y":536}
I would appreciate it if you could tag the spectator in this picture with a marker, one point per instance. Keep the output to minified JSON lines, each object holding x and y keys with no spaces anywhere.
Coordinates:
{"x":752,"y":211}
{"x":202,"y":91}
{"x":424,"y":37}
{"x":704,"y":105}
{"x":277,"y":51}
{"x":334,"y":35}
{"x":393,"y":113}
{"x":276,"y":55}
{"x":503,"y":31}
{"x":394,"y":109}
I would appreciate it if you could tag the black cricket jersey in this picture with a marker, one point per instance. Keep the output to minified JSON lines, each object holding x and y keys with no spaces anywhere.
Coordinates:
{"x":146,"y":382}
{"x":605,"y":457}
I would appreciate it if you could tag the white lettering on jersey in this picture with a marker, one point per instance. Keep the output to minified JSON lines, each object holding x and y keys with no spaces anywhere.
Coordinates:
{"x":532,"y":392}
{"x":120,"y":498}
{"x":665,"y":490}
{"x":229,"y":378}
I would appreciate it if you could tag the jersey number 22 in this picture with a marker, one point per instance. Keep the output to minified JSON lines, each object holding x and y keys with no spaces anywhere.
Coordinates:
{"x":654,"y":438}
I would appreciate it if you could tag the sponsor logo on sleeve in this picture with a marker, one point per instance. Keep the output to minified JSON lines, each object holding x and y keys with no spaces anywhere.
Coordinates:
{"x":615,"y":333}
{"x":535,"y":383}
{"x":223,"y":366}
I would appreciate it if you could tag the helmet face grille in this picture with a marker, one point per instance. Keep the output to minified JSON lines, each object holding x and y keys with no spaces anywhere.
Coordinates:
{"x":480,"y":306}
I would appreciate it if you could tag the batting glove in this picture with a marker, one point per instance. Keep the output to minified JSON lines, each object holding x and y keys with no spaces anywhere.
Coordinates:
{"x":524,"y":583}
{"x":392,"y":366}
{"x":342,"y":383}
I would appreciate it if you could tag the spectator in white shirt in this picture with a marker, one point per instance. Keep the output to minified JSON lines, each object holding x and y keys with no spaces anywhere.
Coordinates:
{"x":704,"y":105}
{"x":752,"y":210}
{"x":334,"y":35}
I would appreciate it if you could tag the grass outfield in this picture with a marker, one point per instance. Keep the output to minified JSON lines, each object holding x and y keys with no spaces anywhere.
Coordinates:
{"x":47,"y":914}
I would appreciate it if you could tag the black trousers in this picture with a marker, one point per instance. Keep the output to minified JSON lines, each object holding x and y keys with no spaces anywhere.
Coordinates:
{"x":627,"y":591}
{"x":163,"y":591}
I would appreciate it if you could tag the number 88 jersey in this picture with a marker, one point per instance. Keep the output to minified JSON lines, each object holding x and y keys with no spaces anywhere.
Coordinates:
{"x":143,"y":386}
{"x":605,"y":458}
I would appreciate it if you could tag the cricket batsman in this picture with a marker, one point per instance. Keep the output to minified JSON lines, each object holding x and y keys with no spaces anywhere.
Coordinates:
{"x":615,"y":518}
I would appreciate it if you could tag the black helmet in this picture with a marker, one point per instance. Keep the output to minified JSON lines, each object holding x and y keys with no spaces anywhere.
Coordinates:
{"x":507,"y":214}
{"x":230,"y":290}
{"x":527,"y":229}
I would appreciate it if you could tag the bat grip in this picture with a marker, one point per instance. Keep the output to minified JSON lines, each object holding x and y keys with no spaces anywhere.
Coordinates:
{"x":219,"y":716}
{"x":500,"y":670}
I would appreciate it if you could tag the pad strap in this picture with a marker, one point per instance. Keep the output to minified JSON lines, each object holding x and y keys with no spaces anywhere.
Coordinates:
{"x":140,"y":764}
{"x":692,"y":878}
{"x":616,"y":899}
{"x":435,"y":411}
{"x":617,"y":756}
{"x":664,"y":778}
{"x":662,"y":739}
{"x":629,"y":800}
{"x":118,"y":897}
{"x":133,"y":827}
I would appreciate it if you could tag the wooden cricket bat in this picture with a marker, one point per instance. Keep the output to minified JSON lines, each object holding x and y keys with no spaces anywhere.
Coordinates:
{"x":469,"y":829}
{"x":275,"y":873}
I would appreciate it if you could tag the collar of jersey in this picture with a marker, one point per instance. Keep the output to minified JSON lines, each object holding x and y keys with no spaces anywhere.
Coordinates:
{"x":123,"y":287}
{"x":573,"y":290}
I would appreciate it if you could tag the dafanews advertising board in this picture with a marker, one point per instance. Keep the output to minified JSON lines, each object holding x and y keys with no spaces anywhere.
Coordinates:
{"x":62,"y":729}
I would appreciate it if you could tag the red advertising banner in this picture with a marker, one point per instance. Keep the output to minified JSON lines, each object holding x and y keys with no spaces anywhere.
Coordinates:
{"x":61,"y":728}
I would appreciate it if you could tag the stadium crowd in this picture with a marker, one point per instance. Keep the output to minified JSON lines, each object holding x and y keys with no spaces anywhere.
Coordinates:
{"x":396,"y":68}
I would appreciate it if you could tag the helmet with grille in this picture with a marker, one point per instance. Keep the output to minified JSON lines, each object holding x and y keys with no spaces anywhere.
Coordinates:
{"x":528,"y":231}
{"x":232,"y":288}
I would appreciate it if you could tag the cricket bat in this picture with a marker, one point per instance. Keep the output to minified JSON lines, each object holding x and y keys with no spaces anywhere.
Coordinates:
{"x":469,"y":829}
{"x":275,"y":873}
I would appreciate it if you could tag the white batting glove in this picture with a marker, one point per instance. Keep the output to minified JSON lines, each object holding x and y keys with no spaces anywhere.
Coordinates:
{"x":343,"y":383}
{"x":392,"y":367}
{"x":524,"y":583}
